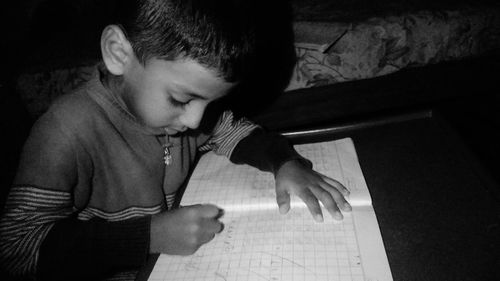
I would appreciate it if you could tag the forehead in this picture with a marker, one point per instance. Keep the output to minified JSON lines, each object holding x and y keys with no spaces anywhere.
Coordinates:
{"x":186,"y":76}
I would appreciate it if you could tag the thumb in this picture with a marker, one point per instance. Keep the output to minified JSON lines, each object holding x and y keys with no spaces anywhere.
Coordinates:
{"x":283,"y":199}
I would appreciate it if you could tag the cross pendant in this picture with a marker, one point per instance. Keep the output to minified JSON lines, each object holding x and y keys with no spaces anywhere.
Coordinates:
{"x":167,"y":157}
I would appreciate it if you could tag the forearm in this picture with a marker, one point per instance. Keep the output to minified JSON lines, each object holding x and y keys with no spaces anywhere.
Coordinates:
{"x":83,"y":250}
{"x":40,"y":235}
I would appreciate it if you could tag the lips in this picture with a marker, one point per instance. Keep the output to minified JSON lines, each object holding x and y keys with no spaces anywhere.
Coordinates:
{"x":173,"y":131}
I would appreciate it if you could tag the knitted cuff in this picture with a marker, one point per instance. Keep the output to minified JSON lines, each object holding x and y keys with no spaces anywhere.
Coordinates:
{"x":125,"y":242}
{"x":85,"y":250}
{"x":266,"y":151}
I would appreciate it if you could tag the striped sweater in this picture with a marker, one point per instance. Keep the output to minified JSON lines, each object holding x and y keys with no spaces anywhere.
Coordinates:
{"x":90,"y":177}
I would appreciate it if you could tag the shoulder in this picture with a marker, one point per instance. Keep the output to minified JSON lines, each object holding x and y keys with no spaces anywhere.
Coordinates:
{"x":74,"y":107}
{"x":72,"y":112}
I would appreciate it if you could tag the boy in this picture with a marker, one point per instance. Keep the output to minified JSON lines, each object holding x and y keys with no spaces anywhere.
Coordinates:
{"x":100,"y":170}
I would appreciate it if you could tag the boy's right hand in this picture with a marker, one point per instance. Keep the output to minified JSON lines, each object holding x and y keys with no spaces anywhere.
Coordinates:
{"x":182,"y":231}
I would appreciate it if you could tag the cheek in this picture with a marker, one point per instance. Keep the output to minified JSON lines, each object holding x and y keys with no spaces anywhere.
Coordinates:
{"x":159,"y":113}
{"x":151,"y":108}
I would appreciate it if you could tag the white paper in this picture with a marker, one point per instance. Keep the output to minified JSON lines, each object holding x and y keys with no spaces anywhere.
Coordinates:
{"x":258,"y":243}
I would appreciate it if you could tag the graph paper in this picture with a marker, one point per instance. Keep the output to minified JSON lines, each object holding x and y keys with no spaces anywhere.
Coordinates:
{"x":259,"y":243}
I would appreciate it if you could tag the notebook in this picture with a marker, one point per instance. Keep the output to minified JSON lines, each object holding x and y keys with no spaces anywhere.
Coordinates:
{"x":259,"y":243}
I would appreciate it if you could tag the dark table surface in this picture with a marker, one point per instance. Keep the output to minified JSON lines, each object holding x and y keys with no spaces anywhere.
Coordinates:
{"x":438,"y":210}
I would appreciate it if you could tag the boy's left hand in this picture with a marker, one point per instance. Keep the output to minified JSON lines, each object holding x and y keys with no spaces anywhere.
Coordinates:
{"x":295,"y":178}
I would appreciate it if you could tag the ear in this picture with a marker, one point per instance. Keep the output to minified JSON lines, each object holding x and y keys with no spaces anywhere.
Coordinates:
{"x":117,"y":52}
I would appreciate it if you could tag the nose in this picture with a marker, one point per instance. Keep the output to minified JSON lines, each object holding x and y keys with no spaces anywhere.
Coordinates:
{"x":193,"y":114}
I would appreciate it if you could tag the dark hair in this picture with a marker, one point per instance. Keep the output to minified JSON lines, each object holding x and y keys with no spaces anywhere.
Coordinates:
{"x":219,"y":34}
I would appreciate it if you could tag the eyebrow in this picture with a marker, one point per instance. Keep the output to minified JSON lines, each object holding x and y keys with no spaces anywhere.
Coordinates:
{"x":179,"y":89}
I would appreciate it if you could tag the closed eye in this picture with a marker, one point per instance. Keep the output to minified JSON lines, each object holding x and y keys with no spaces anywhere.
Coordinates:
{"x":177,"y":103}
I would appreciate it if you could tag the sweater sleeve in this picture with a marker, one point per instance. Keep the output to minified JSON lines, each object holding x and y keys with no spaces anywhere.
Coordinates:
{"x":228,"y":132}
{"x":246,"y":143}
{"x":39,"y":231}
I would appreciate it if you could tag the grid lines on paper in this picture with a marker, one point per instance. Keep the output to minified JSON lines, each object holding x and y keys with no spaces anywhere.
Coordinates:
{"x":257,"y":242}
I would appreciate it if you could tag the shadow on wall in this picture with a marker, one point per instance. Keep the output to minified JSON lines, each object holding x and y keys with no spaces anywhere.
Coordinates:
{"x":273,"y":66}
{"x":15,"y":124}
{"x":65,"y":32}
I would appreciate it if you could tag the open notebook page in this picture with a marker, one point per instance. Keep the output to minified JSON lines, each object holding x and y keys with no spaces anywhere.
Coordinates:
{"x":258,"y":243}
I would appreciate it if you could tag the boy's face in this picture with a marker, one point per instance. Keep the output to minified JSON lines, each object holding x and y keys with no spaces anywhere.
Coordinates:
{"x":171,"y":94}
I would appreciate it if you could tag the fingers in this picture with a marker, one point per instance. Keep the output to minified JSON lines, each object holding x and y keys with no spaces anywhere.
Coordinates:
{"x":326,"y":198}
{"x":332,"y":200}
{"x":340,"y":187}
{"x":283,"y":200}
{"x":312,"y":204}
{"x":327,"y":191}
{"x":210,"y":211}
{"x":208,"y":216}
{"x":210,"y":225}
{"x":211,"y":228}
{"x":211,"y":215}
{"x":336,"y":195}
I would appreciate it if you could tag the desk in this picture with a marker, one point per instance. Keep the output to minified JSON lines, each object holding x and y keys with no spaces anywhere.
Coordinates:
{"x":438,"y":212}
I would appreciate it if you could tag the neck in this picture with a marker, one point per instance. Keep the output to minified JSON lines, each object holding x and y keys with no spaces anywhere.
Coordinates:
{"x":116,"y":86}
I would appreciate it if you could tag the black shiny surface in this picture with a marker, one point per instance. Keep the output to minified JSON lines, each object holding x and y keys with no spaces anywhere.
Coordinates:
{"x":437,"y":207}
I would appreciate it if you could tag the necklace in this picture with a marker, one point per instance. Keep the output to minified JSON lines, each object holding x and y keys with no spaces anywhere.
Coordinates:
{"x":167,"y":156}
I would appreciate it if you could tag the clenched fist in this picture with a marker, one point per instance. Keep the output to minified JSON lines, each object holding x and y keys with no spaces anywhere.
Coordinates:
{"x":182,"y":231}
